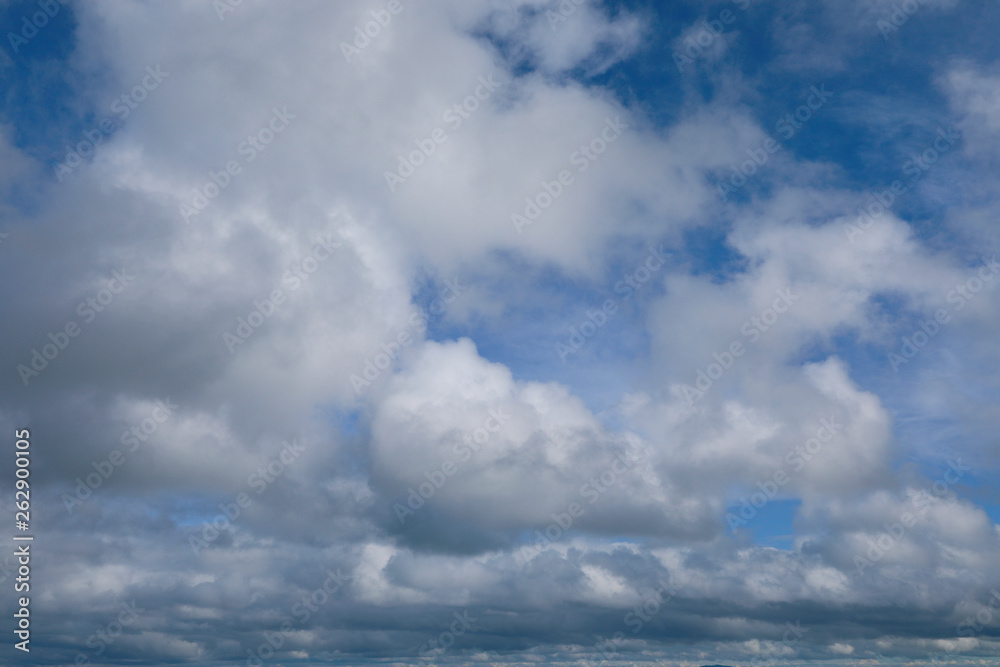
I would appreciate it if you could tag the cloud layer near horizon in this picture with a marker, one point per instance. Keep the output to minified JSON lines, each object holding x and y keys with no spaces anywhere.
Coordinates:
{"x":542,"y":373}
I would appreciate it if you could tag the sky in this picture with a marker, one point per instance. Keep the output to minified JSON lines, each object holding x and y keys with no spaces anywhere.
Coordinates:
{"x":482,"y":332}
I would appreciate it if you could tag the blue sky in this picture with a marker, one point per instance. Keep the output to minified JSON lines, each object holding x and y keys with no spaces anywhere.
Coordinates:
{"x":630,"y":298}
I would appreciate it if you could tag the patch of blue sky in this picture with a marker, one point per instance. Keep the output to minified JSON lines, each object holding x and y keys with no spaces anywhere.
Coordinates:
{"x":557,"y":536}
{"x":891,"y":122}
{"x":993,"y":511}
{"x":542,"y":307}
{"x":773,"y":524}
{"x":190,"y":511}
{"x":707,"y":252}
{"x":864,"y":111}
{"x":349,"y":422}
{"x":40,"y":98}
{"x":352,"y":457}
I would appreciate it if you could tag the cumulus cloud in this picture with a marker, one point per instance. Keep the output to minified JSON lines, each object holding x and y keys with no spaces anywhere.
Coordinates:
{"x":285,"y":332}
